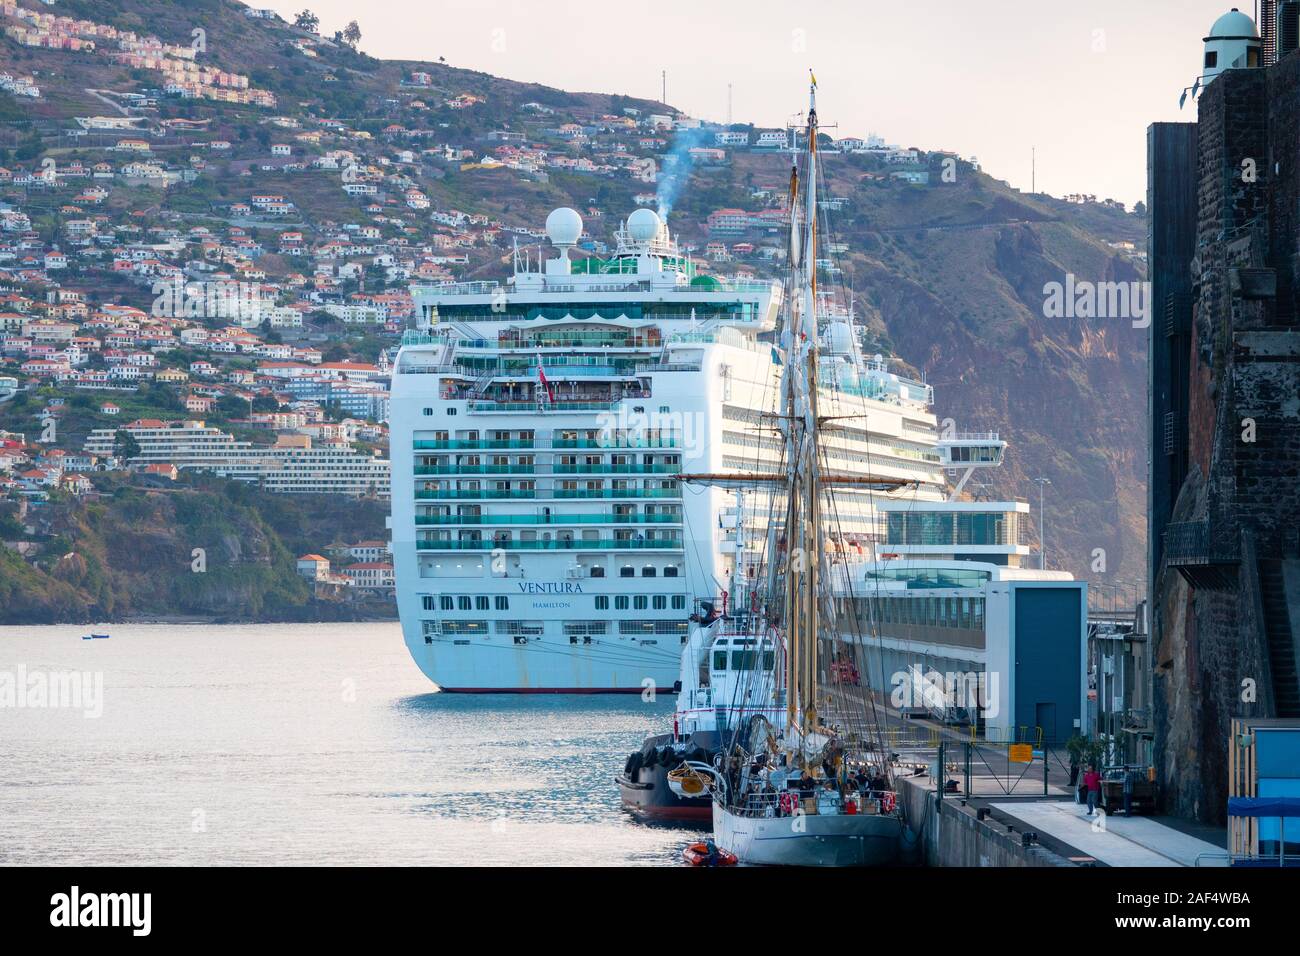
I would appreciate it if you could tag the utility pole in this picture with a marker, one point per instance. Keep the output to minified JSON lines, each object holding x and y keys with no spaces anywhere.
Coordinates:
{"x":1042,"y":531}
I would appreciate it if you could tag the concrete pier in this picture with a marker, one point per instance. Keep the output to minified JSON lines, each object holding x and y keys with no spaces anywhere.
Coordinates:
{"x":949,"y":832}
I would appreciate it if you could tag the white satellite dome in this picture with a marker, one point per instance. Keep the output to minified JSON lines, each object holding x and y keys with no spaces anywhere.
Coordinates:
{"x":644,"y":225}
{"x":564,"y":226}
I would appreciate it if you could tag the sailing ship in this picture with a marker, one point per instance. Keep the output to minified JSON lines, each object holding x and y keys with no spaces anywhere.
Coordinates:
{"x":803,"y":777}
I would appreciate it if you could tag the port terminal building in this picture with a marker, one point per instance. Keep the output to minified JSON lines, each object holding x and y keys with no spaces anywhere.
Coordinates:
{"x":947,"y":620}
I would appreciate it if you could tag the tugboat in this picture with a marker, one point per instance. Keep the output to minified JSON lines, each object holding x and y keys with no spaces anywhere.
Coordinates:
{"x":656,"y":784}
{"x":648,"y":786}
{"x":671,"y":777}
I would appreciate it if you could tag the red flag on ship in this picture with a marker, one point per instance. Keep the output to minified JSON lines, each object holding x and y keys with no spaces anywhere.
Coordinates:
{"x":541,"y":377}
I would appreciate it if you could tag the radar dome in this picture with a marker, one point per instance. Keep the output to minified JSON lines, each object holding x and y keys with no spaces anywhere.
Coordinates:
{"x":644,"y":225}
{"x":564,"y":226}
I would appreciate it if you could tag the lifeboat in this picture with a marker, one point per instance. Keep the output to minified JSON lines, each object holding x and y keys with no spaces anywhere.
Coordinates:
{"x":708,"y":854}
{"x":688,"y":782}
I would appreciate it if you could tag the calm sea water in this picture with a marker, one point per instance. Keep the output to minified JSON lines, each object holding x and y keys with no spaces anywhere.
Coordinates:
{"x":306,"y":744}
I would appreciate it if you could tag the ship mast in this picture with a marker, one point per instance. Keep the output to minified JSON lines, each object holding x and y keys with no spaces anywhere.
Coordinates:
{"x":803,"y":531}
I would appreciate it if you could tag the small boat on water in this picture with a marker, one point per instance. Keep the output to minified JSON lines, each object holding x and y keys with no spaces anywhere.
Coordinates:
{"x":95,"y":637}
{"x":708,"y":853}
{"x":688,"y":782}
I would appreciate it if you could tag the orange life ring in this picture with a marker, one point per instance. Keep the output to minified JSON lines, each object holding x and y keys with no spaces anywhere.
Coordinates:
{"x":789,"y":802}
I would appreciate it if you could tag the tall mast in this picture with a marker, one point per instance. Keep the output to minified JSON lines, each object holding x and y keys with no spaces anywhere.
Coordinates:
{"x":790,"y":584}
{"x":812,"y":516}
{"x":803,"y":511}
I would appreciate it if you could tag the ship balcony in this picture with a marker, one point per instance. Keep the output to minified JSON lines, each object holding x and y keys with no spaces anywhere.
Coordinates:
{"x":576,"y":544}
{"x":424,"y":470}
{"x":407,"y":367}
{"x":475,"y":469}
{"x":415,"y":337}
{"x":648,"y":442}
{"x":617,"y":469}
{"x":553,"y":372}
{"x":558,"y":407}
{"x":541,"y":444}
{"x":473,"y":287}
{"x":450,"y":445}
{"x":651,"y":367}
{"x":493,"y":494}
{"x":1204,"y":554}
{"x":568,"y":342}
{"x":552,"y":519}
{"x":573,"y":371}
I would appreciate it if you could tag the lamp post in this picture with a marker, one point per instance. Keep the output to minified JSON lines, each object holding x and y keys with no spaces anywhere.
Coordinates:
{"x":1042,"y":533}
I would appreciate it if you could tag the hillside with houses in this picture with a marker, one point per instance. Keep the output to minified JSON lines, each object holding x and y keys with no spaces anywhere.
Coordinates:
{"x":210,"y":224}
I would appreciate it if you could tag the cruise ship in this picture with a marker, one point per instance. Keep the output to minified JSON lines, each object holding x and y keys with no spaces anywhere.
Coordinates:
{"x":542,"y":539}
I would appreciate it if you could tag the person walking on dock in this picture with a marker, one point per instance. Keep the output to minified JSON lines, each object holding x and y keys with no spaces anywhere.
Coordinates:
{"x":1092,"y":781}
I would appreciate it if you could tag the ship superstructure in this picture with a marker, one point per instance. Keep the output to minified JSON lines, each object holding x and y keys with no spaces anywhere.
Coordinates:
{"x":541,"y":539}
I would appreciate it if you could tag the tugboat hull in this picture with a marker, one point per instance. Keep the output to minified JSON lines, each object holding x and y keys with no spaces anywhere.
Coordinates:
{"x":650,"y":798}
{"x":645,"y":792}
{"x":810,"y":840}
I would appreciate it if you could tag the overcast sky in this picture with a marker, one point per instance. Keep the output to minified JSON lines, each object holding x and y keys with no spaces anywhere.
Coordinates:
{"x":1080,"y":80}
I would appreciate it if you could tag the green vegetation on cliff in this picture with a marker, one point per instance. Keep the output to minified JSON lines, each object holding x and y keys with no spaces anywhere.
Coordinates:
{"x":203,"y":547}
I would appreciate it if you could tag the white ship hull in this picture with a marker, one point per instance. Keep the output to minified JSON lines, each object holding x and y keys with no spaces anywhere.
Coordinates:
{"x":545,"y":667}
{"x":809,"y":840}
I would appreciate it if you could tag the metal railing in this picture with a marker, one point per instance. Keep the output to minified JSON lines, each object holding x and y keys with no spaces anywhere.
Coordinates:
{"x":1189,"y":543}
{"x":602,"y":544}
{"x":558,"y":493}
{"x":542,"y":408}
{"x":768,"y":803}
{"x":424,"y":470}
{"x":555,"y":519}
{"x":540,"y":444}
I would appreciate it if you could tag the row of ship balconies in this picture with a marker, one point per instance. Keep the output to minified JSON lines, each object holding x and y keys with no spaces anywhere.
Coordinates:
{"x":613,"y":441}
{"x":547,"y":519}
{"x":549,"y":469}
{"x":508,"y":494}
{"x":562,"y":542}
{"x":633,"y":367}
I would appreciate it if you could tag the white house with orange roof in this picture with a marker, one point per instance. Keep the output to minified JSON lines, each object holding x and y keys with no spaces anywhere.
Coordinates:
{"x":314,"y":567}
